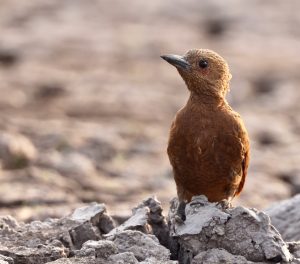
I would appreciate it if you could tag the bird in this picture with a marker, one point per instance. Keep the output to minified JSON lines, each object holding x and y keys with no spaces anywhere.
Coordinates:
{"x":208,"y":144}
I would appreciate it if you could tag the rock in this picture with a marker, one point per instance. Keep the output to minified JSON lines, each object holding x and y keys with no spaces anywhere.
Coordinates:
{"x":294,"y":248}
{"x":147,"y":217}
{"x":240,"y":231}
{"x":16,"y":151}
{"x":138,"y":221}
{"x":33,"y":255}
{"x":210,"y":234}
{"x":98,"y":249}
{"x":40,"y":242}
{"x":29,"y":243}
{"x":8,"y":223}
{"x":82,"y":233}
{"x":155,"y":261}
{"x":157,"y":220}
{"x":75,"y":261}
{"x":123,"y":258}
{"x":216,"y":256}
{"x":106,"y":223}
{"x":285,"y":216}
{"x":97,"y":215}
{"x":141,"y":245}
{"x":194,"y":224}
{"x":94,"y":222}
{"x":6,"y":260}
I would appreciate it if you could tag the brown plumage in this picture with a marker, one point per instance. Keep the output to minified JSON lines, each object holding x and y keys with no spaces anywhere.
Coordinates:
{"x":208,"y":144}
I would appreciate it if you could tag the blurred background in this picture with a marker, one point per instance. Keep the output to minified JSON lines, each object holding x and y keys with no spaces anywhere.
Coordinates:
{"x":86,"y":102}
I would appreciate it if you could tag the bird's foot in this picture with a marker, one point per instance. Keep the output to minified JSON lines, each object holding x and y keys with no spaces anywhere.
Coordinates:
{"x":224,"y":204}
{"x":199,"y":200}
{"x":180,"y":214}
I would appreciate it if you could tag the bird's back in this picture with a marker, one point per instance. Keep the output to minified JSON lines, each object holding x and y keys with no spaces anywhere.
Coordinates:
{"x":209,"y":151}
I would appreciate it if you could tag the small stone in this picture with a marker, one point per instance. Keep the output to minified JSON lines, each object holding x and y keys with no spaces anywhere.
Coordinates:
{"x":90,"y":213}
{"x":8,"y":222}
{"x":266,"y":139}
{"x":97,"y":215}
{"x":101,"y":248}
{"x":50,"y":91}
{"x":16,"y":151}
{"x":265,"y":84}
{"x":8,"y":58}
{"x":83,"y":233}
{"x":294,"y":248}
{"x":6,"y":260}
{"x":123,"y":258}
{"x":138,"y":221}
{"x":216,"y":26}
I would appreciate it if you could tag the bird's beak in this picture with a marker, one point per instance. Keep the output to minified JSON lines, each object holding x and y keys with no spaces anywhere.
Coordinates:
{"x":177,"y":61}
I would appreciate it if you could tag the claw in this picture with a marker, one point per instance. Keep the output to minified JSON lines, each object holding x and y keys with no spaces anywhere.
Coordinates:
{"x":179,"y":220}
{"x":224,"y":204}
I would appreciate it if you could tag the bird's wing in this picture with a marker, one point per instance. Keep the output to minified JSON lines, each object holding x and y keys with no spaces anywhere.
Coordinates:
{"x":245,"y":165}
{"x":223,"y":151}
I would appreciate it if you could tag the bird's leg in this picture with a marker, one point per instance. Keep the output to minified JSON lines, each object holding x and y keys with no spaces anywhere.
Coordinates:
{"x":180,"y":214}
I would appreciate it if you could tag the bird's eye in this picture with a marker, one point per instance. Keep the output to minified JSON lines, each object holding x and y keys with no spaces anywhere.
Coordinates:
{"x":203,"y":63}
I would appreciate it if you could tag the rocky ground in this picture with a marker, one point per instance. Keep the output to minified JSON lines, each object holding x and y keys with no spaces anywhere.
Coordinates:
{"x":210,"y":234}
{"x":86,"y":102}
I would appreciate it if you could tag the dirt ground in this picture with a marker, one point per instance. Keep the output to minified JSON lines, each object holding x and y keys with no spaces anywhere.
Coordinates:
{"x":86,"y":102}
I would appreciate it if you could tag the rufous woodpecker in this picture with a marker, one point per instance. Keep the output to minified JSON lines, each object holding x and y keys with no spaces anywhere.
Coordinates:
{"x":208,"y":144}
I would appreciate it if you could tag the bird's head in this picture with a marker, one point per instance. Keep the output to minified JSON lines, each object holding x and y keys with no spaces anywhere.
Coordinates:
{"x":204,"y":71}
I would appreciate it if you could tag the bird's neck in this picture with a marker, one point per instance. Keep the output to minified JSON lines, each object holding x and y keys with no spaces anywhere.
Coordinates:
{"x":206,"y":99}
